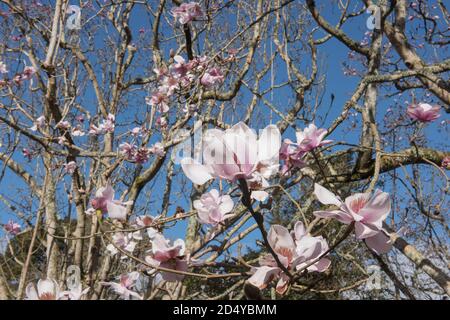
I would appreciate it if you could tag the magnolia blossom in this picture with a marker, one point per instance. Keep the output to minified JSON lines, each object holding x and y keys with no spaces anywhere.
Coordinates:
{"x":142,"y":155}
{"x":12,"y":227}
{"x":161,"y":122}
{"x":366,"y":211}
{"x":292,"y":156}
{"x":107,"y":126}
{"x":212,"y":208}
{"x":124,"y":241}
{"x":446,"y":163}
{"x":78,"y":131}
{"x":27,"y":154}
{"x":157,"y":149}
{"x":296,"y":251}
{"x":423,"y":112}
{"x":104,"y":202}
{"x":310,"y":138}
{"x":3,"y":68}
{"x":180,"y":68}
{"x":160,"y":100}
{"x":127,"y":282}
{"x":146,"y":222}
{"x":70,"y":167}
{"x":167,"y":256}
{"x":237,"y":153}
{"x":63,"y":124}
{"x":212,"y":77}
{"x":47,"y":289}
{"x":38,"y":123}
{"x":187,"y":12}
{"x":128,"y":150}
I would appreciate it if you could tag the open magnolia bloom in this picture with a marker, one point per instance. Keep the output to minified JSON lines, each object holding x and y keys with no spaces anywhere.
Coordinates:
{"x":296,"y":251}
{"x":212,"y":208}
{"x":366,"y":211}
{"x":423,"y":112}
{"x":167,"y":256}
{"x":104,"y":201}
{"x":127,"y":281}
{"x":237,"y":153}
{"x":47,"y":289}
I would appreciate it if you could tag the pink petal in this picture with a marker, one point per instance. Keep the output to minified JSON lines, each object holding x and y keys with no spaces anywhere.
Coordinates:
{"x":325,"y":196}
{"x":196,"y":172}
{"x":380,"y":243}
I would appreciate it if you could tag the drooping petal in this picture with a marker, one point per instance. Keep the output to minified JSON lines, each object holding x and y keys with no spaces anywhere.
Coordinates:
{"x":325,"y":196}
{"x":263,"y":276}
{"x":363,"y":231}
{"x":196,"y":172}
{"x":380,"y":243}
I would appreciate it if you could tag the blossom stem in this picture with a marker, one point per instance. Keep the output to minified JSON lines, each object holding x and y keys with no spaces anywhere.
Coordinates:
{"x":246,"y":201}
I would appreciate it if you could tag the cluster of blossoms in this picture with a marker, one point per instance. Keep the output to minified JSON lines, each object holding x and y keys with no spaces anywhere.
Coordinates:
{"x":12,"y":227}
{"x":18,"y":79}
{"x":307,"y":140}
{"x":180,"y":76}
{"x":296,"y":251}
{"x":187,"y":12}
{"x":132,"y":152}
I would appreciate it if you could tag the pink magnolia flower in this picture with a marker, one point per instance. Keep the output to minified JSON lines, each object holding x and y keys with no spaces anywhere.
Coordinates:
{"x":160,"y":100}
{"x":3,"y":68}
{"x":446,"y":163}
{"x":12,"y":227}
{"x":187,"y":12}
{"x":368,"y":212}
{"x":212,"y":208}
{"x":236,"y":153}
{"x":142,"y":155}
{"x":310,"y":138}
{"x":70,"y":167}
{"x":166,"y":256}
{"x":147,"y":221}
{"x":27,"y":154}
{"x":292,"y":156}
{"x":158,"y":149}
{"x":123,"y":288}
{"x":108,"y":124}
{"x":38,"y":123}
{"x":423,"y":112}
{"x":47,"y":289}
{"x":77,"y":131}
{"x":104,"y":202}
{"x":27,"y":73}
{"x":123,"y":241}
{"x":212,"y":77}
{"x":128,"y":150}
{"x":136,"y":131}
{"x":63,"y":124}
{"x":296,"y":251}
{"x":180,"y":68}
{"x":161,"y":122}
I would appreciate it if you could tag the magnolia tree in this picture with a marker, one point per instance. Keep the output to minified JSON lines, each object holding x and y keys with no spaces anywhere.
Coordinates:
{"x":285,"y":149}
